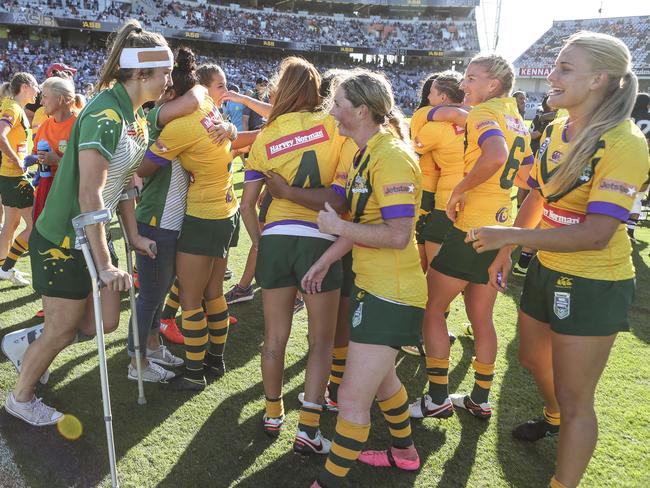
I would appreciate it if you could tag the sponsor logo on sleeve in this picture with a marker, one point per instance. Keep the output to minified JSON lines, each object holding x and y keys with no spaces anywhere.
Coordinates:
{"x":617,"y":187}
{"x":397,"y":188}
{"x":296,"y":141}
{"x":486,"y":123}
{"x":161,"y":147}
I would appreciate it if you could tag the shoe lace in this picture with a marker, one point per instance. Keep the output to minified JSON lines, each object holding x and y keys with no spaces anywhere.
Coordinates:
{"x":42,"y":411}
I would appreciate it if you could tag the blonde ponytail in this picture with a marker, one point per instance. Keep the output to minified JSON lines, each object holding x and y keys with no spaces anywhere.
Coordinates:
{"x":611,"y":56}
{"x":5,"y":90}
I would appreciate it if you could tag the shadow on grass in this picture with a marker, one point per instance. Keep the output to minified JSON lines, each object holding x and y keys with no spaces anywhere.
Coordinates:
{"x":219,"y":458}
{"x":18,"y":302}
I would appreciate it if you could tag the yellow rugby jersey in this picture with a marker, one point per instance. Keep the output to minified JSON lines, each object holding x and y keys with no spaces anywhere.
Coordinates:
{"x":443,"y":142}
{"x":39,"y":118}
{"x":489,"y":203}
{"x":607,"y":187}
{"x":385,"y":183}
{"x":430,"y":174}
{"x":349,"y":150}
{"x":304,"y":148}
{"x":211,"y":194}
{"x":20,"y":133}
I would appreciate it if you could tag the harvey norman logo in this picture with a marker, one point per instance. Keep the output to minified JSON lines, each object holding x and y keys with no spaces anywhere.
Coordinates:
{"x":297,"y":140}
{"x":558,"y":217}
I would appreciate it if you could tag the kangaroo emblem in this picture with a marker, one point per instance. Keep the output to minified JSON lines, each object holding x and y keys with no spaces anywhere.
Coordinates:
{"x":107,"y":115}
{"x":55,"y":255}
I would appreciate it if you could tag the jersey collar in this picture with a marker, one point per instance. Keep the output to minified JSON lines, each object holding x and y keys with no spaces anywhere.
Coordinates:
{"x":124,"y":101}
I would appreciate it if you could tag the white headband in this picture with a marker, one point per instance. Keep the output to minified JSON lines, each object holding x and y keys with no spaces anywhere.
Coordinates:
{"x":146,"y":57}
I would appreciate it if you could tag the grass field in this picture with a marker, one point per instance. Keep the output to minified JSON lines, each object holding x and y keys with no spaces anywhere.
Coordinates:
{"x":215,"y":438}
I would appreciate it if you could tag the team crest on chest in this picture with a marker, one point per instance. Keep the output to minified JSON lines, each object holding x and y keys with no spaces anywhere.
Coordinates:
{"x":562,"y":304}
{"x":359,"y":185}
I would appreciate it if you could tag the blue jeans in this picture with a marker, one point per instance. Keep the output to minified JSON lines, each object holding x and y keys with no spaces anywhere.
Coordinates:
{"x":155,"y":277}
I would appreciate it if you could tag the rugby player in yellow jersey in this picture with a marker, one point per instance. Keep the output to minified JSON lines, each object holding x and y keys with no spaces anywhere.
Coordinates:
{"x":497,"y":144}
{"x":383,"y":191}
{"x":15,"y":189}
{"x":579,"y":288}
{"x":210,"y":226}
{"x":300,"y":144}
{"x":315,"y":199}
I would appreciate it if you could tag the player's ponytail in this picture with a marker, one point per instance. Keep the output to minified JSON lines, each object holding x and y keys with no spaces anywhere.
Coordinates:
{"x":608,"y":55}
{"x":184,"y":75}
{"x":130,"y":34}
{"x":425,"y":89}
{"x":363,"y":87}
{"x":298,"y":88}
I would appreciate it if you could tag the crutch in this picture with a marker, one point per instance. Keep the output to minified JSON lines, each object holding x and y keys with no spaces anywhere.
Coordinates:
{"x":80,"y":222}
{"x":128,"y":195}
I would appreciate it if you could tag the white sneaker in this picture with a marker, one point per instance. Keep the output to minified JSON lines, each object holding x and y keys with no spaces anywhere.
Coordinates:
{"x":329,"y":405}
{"x":303,"y":444}
{"x":16,"y":277}
{"x":424,"y":407}
{"x":15,"y":344}
{"x":151,"y":374}
{"x":34,"y":412}
{"x":164,"y":357}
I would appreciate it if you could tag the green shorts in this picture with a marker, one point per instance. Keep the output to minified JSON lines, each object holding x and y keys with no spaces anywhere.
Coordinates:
{"x":433,"y":227}
{"x":348,"y":275}
{"x":377,"y":321}
{"x":460,"y":260}
{"x":16,"y":191}
{"x":574,"y":305}
{"x":59,"y":272}
{"x":206,"y":237}
{"x":283,"y":261}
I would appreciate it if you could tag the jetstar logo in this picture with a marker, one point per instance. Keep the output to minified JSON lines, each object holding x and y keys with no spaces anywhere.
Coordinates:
{"x":558,"y":217}
{"x":297,"y":140}
{"x":399,"y":188}
{"x":617,"y":187}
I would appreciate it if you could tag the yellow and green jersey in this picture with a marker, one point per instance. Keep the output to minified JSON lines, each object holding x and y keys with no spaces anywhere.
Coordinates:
{"x":19,"y":135}
{"x":607,"y":186}
{"x":489,"y":203}
{"x":385,"y":183}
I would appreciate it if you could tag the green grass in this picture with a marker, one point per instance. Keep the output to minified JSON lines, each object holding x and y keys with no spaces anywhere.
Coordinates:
{"x":215,"y":438}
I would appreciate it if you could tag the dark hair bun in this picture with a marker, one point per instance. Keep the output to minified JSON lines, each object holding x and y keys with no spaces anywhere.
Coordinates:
{"x":185,"y":60}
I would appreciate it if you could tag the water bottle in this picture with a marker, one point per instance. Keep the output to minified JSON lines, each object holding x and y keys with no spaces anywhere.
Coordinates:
{"x":44,"y":169}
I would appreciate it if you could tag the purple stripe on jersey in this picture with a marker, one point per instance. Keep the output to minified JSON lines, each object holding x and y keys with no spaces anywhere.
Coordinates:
{"x":7,"y":121}
{"x":251,"y":175}
{"x":291,"y":222}
{"x":608,"y":208}
{"x":432,"y":112}
{"x":489,"y":133}
{"x":159,"y":160}
{"x":532,"y":182}
{"x":528,"y":160}
{"x":338,"y":189}
{"x":565,"y":134}
{"x":397,"y":211}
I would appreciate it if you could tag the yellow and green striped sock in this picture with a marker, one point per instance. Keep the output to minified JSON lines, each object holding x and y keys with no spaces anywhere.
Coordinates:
{"x":552,"y":418}
{"x":339,"y":356}
{"x":172,"y":303}
{"x":274,"y":407}
{"x":18,"y":248}
{"x":217,"y":311}
{"x":195,"y":336}
{"x":483,"y":377}
{"x":396,"y":413}
{"x":438,"y":376}
{"x":309,"y":418}
{"x":346,"y":446}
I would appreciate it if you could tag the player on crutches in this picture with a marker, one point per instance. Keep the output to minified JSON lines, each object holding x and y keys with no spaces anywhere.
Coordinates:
{"x":105,"y":147}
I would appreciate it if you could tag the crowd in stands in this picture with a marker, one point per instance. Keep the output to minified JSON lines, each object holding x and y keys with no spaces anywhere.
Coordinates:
{"x":634,"y":31}
{"x":23,"y":55}
{"x":445,"y":34}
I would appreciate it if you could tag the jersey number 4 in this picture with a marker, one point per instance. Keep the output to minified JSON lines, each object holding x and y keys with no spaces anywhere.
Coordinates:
{"x":512,"y":163}
{"x":308,"y":174}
